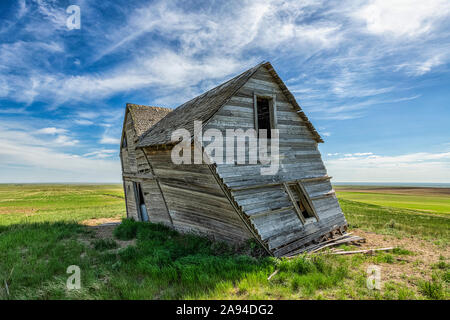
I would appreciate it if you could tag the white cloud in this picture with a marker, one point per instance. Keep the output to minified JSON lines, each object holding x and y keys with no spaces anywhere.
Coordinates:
{"x":402,"y":17}
{"x":25,"y":158}
{"x":212,"y":45}
{"x":101,"y":154}
{"x":109,"y":140}
{"x":369,"y":167}
{"x":51,"y":130}
{"x":83,"y":122}
{"x":22,"y":9}
{"x":53,"y":13}
{"x":420,"y":67}
{"x":358,"y":154}
{"x":65,"y":141}
{"x":215,"y":42}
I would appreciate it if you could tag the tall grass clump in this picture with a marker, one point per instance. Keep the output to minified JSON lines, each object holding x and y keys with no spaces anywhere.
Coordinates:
{"x":307,"y":274}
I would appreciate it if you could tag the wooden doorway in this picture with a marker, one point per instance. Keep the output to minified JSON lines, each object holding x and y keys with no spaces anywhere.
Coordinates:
{"x":140,"y":202}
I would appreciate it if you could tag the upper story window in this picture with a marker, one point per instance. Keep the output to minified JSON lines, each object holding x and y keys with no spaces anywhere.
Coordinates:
{"x":124,"y":141}
{"x":265,"y":113}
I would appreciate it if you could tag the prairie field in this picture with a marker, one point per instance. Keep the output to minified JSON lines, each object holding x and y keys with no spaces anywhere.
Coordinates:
{"x":46,"y":228}
{"x":432,"y":200}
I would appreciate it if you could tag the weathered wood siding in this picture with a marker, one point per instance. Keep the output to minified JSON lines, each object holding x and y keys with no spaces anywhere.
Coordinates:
{"x":195,"y":200}
{"x":269,"y":209}
{"x":135,"y":165}
{"x":131,"y":145}
{"x":132,"y":212}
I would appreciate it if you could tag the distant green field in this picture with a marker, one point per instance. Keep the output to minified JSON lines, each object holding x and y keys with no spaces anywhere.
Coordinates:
{"x":420,"y":202}
{"x":30,"y":203}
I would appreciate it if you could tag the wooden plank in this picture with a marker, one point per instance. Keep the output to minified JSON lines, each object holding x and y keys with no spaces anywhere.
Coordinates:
{"x":331,"y":193}
{"x":236,"y":207}
{"x":273,"y":112}
{"x":279,"y":241}
{"x":259,"y":214}
{"x":315,"y":179}
{"x":362,"y":251}
{"x":257,"y":186}
{"x":255,"y":111}
{"x":138,"y":176}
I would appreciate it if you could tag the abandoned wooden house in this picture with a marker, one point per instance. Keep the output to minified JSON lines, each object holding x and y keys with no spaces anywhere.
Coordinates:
{"x":286,"y":212}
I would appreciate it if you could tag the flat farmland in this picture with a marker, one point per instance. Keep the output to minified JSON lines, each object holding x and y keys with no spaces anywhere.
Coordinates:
{"x":432,"y":200}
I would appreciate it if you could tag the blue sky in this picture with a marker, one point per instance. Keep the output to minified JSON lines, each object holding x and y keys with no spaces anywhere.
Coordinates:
{"x":373,"y":77}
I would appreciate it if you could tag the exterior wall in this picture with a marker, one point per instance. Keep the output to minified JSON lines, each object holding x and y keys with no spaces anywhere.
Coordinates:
{"x":299,"y":159}
{"x":153,"y":198}
{"x":131,"y":145}
{"x":154,"y":201}
{"x":195,"y":200}
{"x":132,"y":212}
{"x":135,"y":168}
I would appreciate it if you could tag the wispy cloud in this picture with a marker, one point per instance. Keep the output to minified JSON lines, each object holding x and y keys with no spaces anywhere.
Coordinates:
{"x":109,"y":140}
{"x":402,"y":17}
{"x":83,"y":122}
{"x":51,"y":130}
{"x":27,"y":158}
{"x":101,"y":154}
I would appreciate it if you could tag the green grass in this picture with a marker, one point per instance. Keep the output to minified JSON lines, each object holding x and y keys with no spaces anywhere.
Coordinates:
{"x":395,"y":221}
{"x":40,"y":236}
{"x":162,"y":265}
{"x":423,"y":203}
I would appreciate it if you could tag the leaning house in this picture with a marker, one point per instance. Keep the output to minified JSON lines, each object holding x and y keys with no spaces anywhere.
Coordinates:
{"x":286,"y":212}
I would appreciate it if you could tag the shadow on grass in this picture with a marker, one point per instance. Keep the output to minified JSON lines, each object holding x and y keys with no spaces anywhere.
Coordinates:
{"x":163,"y":264}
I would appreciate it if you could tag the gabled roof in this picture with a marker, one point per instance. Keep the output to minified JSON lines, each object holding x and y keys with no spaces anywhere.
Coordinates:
{"x":203,"y":107}
{"x":144,"y":117}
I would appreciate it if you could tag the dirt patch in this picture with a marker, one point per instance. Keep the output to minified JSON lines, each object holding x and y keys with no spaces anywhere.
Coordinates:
{"x":105,"y":232}
{"x":418,"y":265}
{"x":100,"y":221}
{"x":416,"y":191}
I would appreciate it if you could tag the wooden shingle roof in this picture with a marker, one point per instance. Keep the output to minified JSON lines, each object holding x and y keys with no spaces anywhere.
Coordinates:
{"x":203,"y":107}
{"x":144,"y":117}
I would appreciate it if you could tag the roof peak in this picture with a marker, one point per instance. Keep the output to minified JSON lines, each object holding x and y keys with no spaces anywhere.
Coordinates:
{"x":204,"y":106}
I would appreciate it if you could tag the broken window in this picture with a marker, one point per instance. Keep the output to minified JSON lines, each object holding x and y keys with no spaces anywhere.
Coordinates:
{"x":302,"y":204}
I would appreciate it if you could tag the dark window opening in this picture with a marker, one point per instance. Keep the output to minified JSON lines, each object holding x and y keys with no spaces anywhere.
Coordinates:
{"x":263,"y":111}
{"x":302,"y":202}
{"x":124,"y":142}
